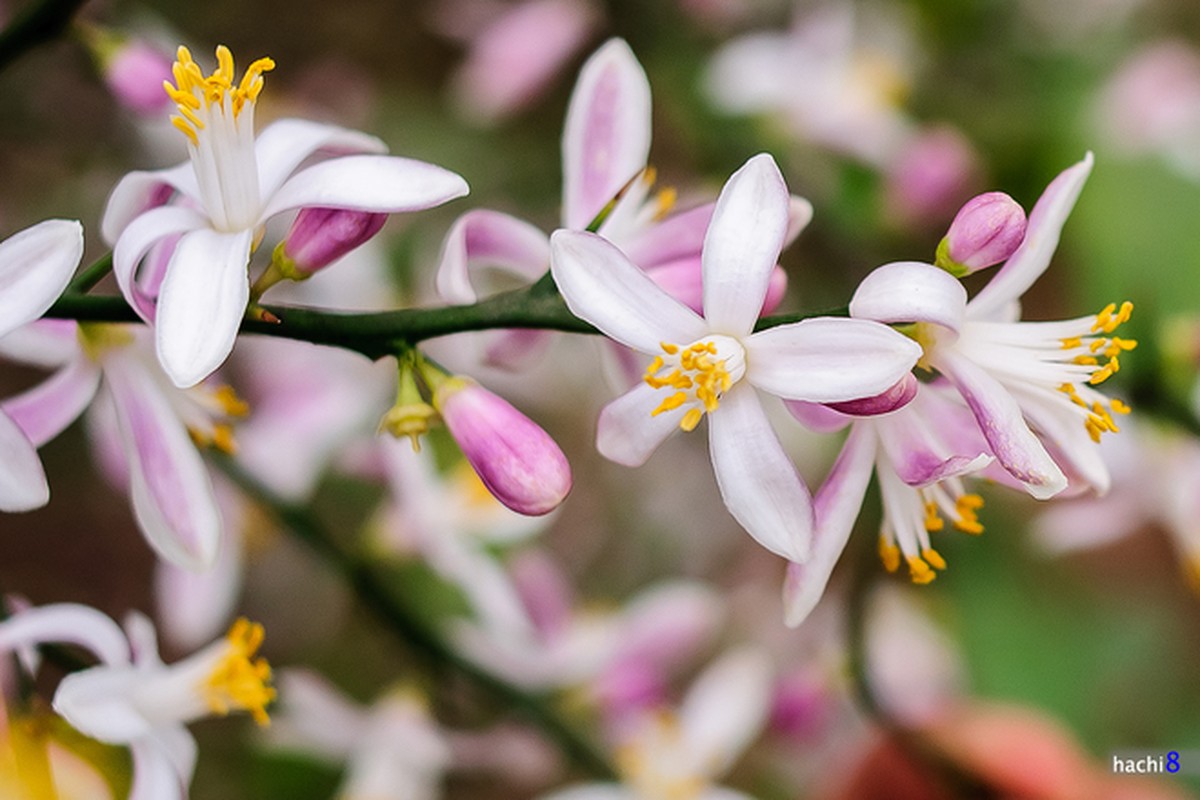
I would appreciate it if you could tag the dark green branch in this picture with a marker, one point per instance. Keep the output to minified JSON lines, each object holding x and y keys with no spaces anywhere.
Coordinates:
{"x":84,"y":281}
{"x":38,"y":22}
{"x":390,"y":609}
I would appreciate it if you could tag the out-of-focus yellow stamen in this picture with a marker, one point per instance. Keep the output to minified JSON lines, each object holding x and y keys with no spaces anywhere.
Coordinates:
{"x":889,"y":554}
{"x":966,"y":507}
{"x":933,"y":520}
{"x":238,"y":681}
{"x":919,"y":570}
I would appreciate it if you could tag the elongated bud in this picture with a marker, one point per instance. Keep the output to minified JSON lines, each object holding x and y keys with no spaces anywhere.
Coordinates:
{"x":986,"y":231}
{"x":320,"y":236}
{"x":133,"y":69}
{"x":516,"y":460}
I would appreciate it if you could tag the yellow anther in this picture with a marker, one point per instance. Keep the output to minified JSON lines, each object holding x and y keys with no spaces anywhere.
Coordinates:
{"x":933,"y":521}
{"x":1089,"y":361}
{"x":691,"y":419}
{"x":918,"y":570}
{"x":698,"y":378}
{"x":665,"y":202}
{"x":193,"y":90}
{"x":934,"y":558}
{"x":230,"y":403}
{"x":966,"y":507}
{"x":1097,"y":344}
{"x":222,"y":439}
{"x":1118,"y":407}
{"x":889,"y":554}
{"x":1071,"y":343}
{"x":237,"y":682}
{"x":668,"y":348}
{"x":670,"y":404}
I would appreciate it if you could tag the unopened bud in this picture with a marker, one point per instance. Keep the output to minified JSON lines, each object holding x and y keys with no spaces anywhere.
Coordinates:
{"x":133,"y":69}
{"x":517,"y":461}
{"x":986,"y":231}
{"x":320,"y":236}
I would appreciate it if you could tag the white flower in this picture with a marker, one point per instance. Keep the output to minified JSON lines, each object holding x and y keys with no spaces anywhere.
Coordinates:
{"x":711,"y":364}
{"x":231,"y":187}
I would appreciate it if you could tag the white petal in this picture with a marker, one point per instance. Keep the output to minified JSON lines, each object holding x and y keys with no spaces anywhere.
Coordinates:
{"x":23,"y":484}
{"x":195,"y":607}
{"x":593,"y":791}
{"x":98,"y":703}
{"x":46,"y":410}
{"x":137,"y":239}
{"x":742,"y":245}
{"x":67,"y":623}
{"x":201,"y":304}
{"x":36,"y":265}
{"x":601,"y":286}
{"x":154,"y":776}
{"x":606,"y":139}
{"x":627,"y":433}
{"x":727,"y":707}
{"x":172,"y":495}
{"x":667,"y":625}
{"x":909,"y":291}
{"x":800,"y":213}
{"x":828,"y":360}
{"x":138,"y":192}
{"x":381,"y":184}
{"x":758,"y":482}
{"x":47,"y":343}
{"x":482,"y":238}
{"x":285,"y":144}
{"x":1042,"y":233}
{"x":315,"y":717}
{"x":835,"y":508}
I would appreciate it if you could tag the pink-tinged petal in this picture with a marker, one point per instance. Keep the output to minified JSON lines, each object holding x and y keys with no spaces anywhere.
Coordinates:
{"x":139,"y":192}
{"x":1088,"y":522}
{"x":67,"y":623}
{"x":758,"y":482}
{"x":835,"y":509}
{"x":1014,"y":444}
{"x":828,"y":360}
{"x":726,"y":708}
{"x":143,"y":640}
{"x":23,"y":484}
{"x":285,"y":144}
{"x":683,"y":280}
{"x":516,"y":348}
{"x":383,"y":184}
{"x":518,"y":55}
{"x":742,"y":245}
{"x":46,"y":410}
{"x":201,"y":304}
{"x":676,"y":237}
{"x":898,"y":396}
{"x":1041,"y":239}
{"x":915,"y":455}
{"x":36,"y":265}
{"x":172,"y":495}
{"x":545,"y":592}
{"x":909,"y":291}
{"x":1067,"y":440}
{"x":800,"y":213}
{"x":137,"y":239}
{"x":601,"y":286}
{"x":47,"y":343}
{"x":627,"y":433}
{"x":606,"y":139}
{"x":665,"y":627}
{"x":154,"y":776}
{"x":481,"y":239}
{"x":593,"y":791}
{"x":817,"y":416}
{"x":196,"y":607}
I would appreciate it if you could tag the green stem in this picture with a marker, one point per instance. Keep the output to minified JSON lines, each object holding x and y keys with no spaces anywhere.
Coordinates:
{"x":39,"y":22}
{"x":96,"y":272}
{"x":390,"y":609}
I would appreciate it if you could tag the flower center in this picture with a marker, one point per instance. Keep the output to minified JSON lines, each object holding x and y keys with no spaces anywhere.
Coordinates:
{"x":658,"y":764}
{"x":237,"y":682}
{"x":217,"y":117}
{"x":696,"y":375}
{"x":1088,"y":352}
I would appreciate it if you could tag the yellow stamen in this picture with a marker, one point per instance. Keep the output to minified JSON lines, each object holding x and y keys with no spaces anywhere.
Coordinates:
{"x":698,"y":378}
{"x":691,"y":419}
{"x":1118,"y":407}
{"x":934,"y":558}
{"x":966,"y":507}
{"x":1071,"y":343}
{"x":237,"y":682}
{"x":889,"y":554}
{"x":933,"y":521}
{"x":192,"y":90}
{"x":919,"y":571}
{"x":222,"y":439}
{"x":233,"y":406}
{"x":664,"y":202}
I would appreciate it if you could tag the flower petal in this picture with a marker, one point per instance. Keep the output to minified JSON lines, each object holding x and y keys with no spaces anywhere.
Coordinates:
{"x":1042,"y":233}
{"x":800,"y":213}
{"x":742,"y":245}
{"x":196,"y":607}
{"x":627,"y":433}
{"x":36,"y":265}
{"x":382,"y":184}
{"x":46,"y":410}
{"x":139,"y":192}
{"x":67,"y":623}
{"x":1014,"y":444}
{"x":606,"y":139}
{"x":601,"y":286}
{"x":23,"y":484}
{"x":98,"y":703}
{"x":817,"y":416}
{"x":483,"y":238}
{"x":47,"y":343}
{"x":285,"y":144}
{"x":137,"y":239}
{"x":896,"y":397}
{"x":172,"y":495}
{"x":663,"y":627}
{"x":201,"y":304}
{"x":835,"y":508}
{"x":726,"y":708}
{"x":593,"y":791}
{"x":154,"y":776}
{"x":678,"y":236}
{"x":758,"y":482}
{"x":828,"y":360}
{"x":917,"y":453}
{"x":909,"y":291}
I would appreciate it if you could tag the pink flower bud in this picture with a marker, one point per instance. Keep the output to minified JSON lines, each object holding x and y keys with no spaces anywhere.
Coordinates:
{"x":134,"y":73}
{"x":320,"y":236}
{"x":516,"y":460}
{"x":986,"y":231}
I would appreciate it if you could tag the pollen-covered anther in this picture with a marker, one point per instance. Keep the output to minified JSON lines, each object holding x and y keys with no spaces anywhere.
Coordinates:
{"x":966,"y":507}
{"x":889,"y":554}
{"x":238,"y":681}
{"x":698,"y":374}
{"x":919,"y":569}
{"x":933,"y":520}
{"x":194,"y":92}
{"x":1111,"y":317}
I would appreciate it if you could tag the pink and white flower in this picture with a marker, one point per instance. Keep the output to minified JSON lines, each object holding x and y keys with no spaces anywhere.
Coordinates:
{"x":1030,"y":385}
{"x":232,"y":184}
{"x":131,"y":698}
{"x":713,"y":364}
